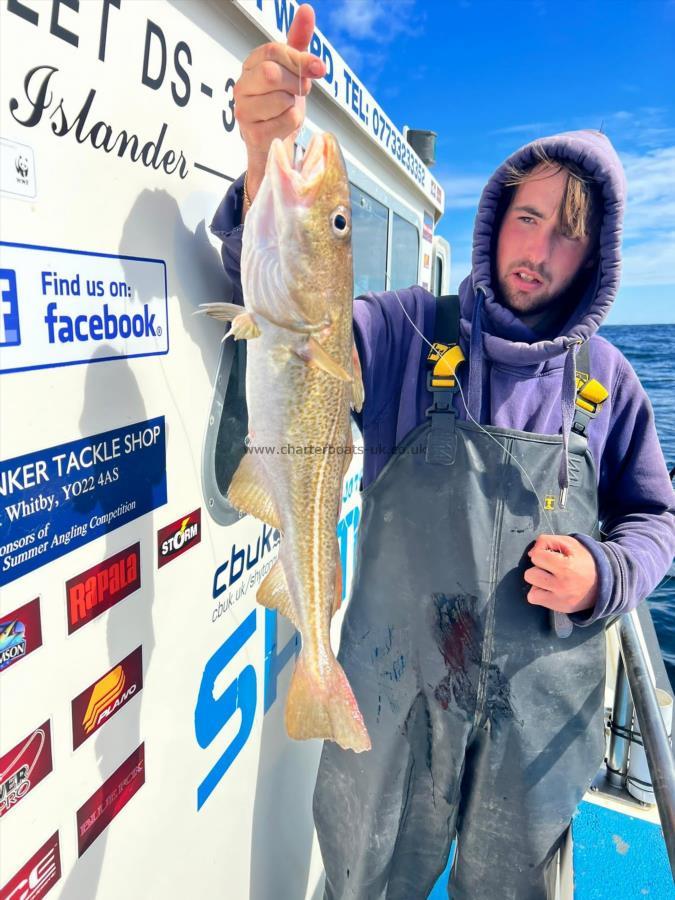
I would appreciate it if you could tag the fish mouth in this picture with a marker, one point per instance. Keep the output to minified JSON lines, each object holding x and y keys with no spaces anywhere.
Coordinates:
{"x":299,"y":184}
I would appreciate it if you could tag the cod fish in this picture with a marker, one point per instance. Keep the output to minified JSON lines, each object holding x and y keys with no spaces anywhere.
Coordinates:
{"x":302,"y":376}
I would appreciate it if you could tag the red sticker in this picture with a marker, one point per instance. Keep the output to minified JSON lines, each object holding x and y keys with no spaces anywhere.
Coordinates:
{"x":178,"y":537}
{"x":25,"y":766}
{"x":20,"y":633}
{"x":96,"y":590}
{"x":39,"y":874}
{"x":102,"y":699}
{"x":97,"y":813}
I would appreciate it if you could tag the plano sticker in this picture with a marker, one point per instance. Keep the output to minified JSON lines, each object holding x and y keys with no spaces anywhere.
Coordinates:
{"x":102,"y":699}
{"x":59,"y":307}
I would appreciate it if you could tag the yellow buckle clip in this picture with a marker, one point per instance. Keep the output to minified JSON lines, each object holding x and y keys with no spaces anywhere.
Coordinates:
{"x":445,"y":359}
{"x":591,"y":395}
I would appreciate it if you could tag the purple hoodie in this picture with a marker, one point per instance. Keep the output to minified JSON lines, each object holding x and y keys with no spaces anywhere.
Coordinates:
{"x":516,"y":379}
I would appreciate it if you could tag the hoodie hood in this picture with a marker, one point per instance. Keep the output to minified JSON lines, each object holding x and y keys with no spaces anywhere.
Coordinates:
{"x":505,"y":338}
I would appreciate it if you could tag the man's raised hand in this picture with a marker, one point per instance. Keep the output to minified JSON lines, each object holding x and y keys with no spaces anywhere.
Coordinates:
{"x":269,"y":96}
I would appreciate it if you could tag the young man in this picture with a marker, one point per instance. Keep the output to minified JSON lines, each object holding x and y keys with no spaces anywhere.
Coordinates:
{"x":485,"y":723}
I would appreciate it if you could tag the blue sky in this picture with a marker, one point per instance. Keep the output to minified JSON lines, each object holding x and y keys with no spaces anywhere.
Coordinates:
{"x":490,"y":75}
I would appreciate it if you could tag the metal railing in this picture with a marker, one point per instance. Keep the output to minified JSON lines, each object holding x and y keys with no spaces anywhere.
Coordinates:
{"x":633,"y":673}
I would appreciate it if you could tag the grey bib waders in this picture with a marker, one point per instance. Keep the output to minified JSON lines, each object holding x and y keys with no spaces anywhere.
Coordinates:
{"x":484,"y":723}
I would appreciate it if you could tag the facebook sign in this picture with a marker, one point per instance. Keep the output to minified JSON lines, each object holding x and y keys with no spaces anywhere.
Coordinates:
{"x":10,"y":335}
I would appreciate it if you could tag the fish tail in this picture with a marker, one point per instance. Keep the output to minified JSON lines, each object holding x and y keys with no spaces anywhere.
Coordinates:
{"x":324,"y":707}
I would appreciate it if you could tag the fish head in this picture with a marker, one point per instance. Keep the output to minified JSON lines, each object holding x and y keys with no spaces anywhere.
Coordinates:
{"x":297,"y":255}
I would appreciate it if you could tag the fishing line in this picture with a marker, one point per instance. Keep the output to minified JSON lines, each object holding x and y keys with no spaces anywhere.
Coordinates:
{"x":478,"y":425}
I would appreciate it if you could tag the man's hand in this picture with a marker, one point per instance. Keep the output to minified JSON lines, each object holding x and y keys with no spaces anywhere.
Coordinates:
{"x":269,"y":97}
{"x":563,"y":575}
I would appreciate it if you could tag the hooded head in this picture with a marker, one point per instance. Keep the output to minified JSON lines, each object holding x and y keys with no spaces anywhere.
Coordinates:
{"x":533,"y":231}
{"x":575,"y":264}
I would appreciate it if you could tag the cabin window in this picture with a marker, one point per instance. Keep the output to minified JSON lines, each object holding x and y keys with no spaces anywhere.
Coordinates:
{"x":438,"y":276}
{"x":369,"y":242}
{"x":405,"y":249}
{"x":228,"y":424}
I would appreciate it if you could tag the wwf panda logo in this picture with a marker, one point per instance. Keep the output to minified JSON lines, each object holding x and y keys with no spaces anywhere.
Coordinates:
{"x":21,"y":164}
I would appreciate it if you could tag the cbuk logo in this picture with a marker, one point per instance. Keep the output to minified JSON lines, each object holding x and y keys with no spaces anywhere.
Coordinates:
{"x":179,"y":536}
{"x":244,"y":558}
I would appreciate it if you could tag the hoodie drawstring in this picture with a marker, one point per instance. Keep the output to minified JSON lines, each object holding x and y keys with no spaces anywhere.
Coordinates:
{"x":568,"y":400}
{"x":476,"y":358}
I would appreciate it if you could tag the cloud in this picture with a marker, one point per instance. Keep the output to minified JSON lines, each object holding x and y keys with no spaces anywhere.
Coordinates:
{"x":651,"y":191}
{"x":380,"y":21}
{"x":462,"y":191}
{"x":538,"y":128}
{"x":649,"y":227}
{"x":645,"y":127}
{"x":650,"y":262}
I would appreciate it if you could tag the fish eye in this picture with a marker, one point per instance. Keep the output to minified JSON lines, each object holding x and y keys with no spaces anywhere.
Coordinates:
{"x":339,"y":221}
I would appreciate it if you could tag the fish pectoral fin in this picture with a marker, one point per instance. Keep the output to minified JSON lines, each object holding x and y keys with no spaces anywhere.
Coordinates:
{"x":248,"y":493}
{"x":358,"y":393}
{"x":274,"y":594}
{"x":244,"y":327}
{"x":314,"y":355}
{"x":322,"y":705}
{"x":224,"y":312}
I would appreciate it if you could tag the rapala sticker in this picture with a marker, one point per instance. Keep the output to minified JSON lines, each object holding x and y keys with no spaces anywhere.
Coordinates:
{"x":97,"y":813}
{"x":93,"y":592}
{"x":178,"y":537}
{"x":59,"y":307}
{"x":38,"y":875}
{"x":20,"y":633}
{"x":58,"y":499}
{"x":101,"y":700}
{"x":24,"y":766}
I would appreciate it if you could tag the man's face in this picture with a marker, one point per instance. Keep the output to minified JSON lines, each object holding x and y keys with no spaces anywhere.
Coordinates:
{"x":531,"y":244}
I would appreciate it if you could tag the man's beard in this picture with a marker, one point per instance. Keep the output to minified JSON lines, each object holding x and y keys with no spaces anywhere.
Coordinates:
{"x":550,"y":310}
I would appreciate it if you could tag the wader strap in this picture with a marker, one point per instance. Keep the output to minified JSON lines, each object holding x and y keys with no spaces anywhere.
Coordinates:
{"x":442,"y":362}
{"x":590,"y":393}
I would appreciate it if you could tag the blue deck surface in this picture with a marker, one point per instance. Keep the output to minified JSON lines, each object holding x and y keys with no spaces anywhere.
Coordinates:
{"x":616,"y":857}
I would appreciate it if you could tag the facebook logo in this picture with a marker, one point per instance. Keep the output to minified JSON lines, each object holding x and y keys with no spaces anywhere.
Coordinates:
{"x":9,"y":309}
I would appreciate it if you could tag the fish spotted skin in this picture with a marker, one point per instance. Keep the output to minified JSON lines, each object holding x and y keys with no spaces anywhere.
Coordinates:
{"x":297,"y":278}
